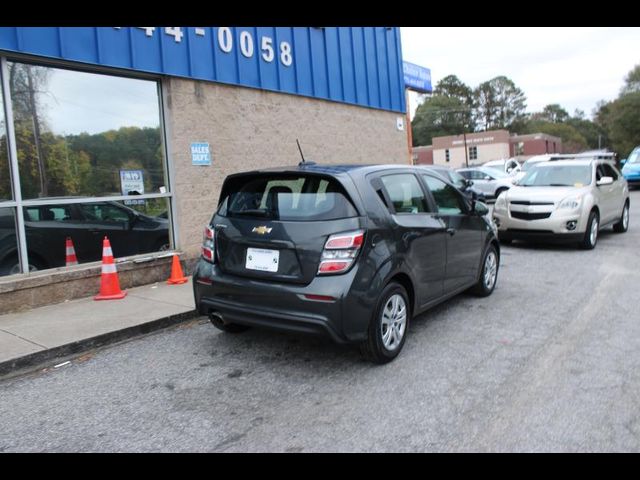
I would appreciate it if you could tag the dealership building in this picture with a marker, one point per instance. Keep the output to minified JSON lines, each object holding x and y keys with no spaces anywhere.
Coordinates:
{"x":129,"y":132}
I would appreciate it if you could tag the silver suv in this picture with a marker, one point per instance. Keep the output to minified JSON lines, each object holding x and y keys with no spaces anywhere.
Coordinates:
{"x":564,"y":200}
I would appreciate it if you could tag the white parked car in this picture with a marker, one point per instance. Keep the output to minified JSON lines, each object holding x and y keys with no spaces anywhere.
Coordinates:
{"x":564,"y":200}
{"x":510,"y":166}
{"x":488,"y":181}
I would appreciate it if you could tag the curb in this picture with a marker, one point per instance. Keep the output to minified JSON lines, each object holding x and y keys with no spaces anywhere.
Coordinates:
{"x":37,"y":358}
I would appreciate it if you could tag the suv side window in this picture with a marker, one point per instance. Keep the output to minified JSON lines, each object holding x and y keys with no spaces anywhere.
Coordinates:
{"x":447,"y":198}
{"x":405,"y":193}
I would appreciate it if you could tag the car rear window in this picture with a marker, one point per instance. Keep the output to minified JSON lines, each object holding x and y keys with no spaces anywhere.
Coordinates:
{"x":290,"y":198}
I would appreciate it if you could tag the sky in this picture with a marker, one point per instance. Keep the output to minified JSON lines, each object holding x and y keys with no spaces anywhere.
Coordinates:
{"x":573,"y":66}
{"x":85,"y":102}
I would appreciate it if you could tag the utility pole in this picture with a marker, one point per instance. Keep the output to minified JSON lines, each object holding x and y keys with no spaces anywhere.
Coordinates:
{"x":466,"y":155}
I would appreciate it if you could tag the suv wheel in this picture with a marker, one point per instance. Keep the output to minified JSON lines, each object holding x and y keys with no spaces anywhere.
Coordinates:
{"x":591,"y":234}
{"x":388,"y":327}
{"x":489,"y":275}
{"x":623,"y":225}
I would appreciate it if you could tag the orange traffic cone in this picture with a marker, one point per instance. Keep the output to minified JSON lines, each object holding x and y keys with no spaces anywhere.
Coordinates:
{"x":110,"y":285}
{"x":71,"y":258}
{"x":177,"y":276}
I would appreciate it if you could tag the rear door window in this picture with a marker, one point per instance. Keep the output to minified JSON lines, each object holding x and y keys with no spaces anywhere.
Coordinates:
{"x":405,"y":193}
{"x":289,"y":198}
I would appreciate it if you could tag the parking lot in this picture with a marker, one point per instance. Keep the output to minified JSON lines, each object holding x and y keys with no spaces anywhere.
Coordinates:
{"x":549,"y":362}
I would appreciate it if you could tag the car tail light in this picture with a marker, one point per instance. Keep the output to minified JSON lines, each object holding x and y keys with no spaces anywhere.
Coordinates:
{"x":208,"y":244}
{"x":340,"y":251}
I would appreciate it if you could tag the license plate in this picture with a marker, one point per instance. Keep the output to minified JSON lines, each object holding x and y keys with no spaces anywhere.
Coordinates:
{"x":262,"y":259}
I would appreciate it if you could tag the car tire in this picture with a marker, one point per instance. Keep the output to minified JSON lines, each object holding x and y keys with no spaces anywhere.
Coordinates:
{"x":11,"y":265}
{"x":591,"y":233}
{"x":489,"y":273}
{"x":623,"y":225}
{"x":390,"y":319}
{"x":227,"y":327}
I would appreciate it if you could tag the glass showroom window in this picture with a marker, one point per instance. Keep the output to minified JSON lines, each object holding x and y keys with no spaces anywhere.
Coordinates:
{"x":91,"y":162}
{"x":9,"y":262}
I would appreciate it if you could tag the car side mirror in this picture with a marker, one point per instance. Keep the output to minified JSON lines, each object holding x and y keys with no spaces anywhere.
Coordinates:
{"x":623,"y":161}
{"x":468,"y":182}
{"x":604,"y":181}
{"x":480,"y":208}
{"x":488,"y":178}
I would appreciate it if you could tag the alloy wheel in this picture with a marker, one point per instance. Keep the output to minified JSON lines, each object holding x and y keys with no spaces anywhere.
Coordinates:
{"x":593,"y":234}
{"x":490,"y":270}
{"x":394,"y":322}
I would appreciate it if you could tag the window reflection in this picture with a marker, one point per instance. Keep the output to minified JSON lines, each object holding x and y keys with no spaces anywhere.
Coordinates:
{"x":76,"y":132}
{"x":142,"y":226}
{"x":5,"y":179}
{"x":9,"y":263}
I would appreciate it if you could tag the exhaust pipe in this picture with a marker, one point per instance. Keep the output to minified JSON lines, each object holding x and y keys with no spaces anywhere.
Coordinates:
{"x":216,"y":318}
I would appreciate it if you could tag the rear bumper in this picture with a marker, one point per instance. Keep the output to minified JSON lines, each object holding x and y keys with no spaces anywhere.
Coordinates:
{"x":276,"y":305}
{"x":237,"y":312}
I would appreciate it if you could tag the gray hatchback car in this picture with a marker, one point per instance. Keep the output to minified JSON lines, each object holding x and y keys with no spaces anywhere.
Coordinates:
{"x":352,"y":252}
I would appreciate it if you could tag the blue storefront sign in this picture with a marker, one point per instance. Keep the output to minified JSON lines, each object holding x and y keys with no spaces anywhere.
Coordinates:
{"x":200,"y":154}
{"x":416,"y":77}
{"x":357,"y":65}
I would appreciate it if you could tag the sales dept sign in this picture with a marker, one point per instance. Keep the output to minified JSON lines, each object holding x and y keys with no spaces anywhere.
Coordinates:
{"x":200,"y":154}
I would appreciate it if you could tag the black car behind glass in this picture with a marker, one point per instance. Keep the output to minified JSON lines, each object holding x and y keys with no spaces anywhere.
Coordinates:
{"x":47,"y":227}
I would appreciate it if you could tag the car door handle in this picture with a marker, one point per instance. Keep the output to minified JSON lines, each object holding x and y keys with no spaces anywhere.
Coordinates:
{"x":451,"y":231}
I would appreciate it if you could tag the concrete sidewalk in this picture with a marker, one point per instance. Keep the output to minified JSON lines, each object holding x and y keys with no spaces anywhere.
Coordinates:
{"x":34,"y":337}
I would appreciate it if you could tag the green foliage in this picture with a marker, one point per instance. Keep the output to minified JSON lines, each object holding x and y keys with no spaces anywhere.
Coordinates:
{"x":621,"y":120}
{"x":437,"y":116}
{"x":632,"y":81}
{"x":499,"y":104}
{"x":554,"y":113}
{"x":451,"y":87}
{"x":572,"y":140}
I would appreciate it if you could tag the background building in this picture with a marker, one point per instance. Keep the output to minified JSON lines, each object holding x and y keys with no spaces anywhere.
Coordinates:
{"x":130,"y":131}
{"x":485,"y":146}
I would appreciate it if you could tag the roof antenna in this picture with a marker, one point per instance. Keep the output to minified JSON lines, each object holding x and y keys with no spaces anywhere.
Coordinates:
{"x":301,"y":154}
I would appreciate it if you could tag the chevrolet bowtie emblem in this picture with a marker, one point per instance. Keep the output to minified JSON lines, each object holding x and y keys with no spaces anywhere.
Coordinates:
{"x":262,"y":229}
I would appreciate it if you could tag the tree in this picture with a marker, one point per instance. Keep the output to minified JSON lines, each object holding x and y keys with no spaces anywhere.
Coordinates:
{"x":499,"y":104}
{"x":437,"y":116}
{"x":632,"y":81}
{"x":621,"y":120}
{"x":451,"y":86}
{"x":554,"y":113}
{"x":572,"y":140}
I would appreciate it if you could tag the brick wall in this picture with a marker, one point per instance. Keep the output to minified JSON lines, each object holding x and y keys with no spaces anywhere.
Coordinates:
{"x":248,"y":129}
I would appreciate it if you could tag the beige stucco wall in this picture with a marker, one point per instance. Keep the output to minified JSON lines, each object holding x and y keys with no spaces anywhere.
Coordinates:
{"x":248,"y":129}
{"x":494,"y":151}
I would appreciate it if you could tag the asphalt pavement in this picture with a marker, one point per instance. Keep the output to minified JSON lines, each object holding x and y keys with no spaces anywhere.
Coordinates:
{"x":549,"y":362}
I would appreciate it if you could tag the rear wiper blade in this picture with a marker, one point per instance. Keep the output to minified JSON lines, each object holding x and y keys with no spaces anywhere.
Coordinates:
{"x":255,"y":212}
{"x":559,"y":185}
